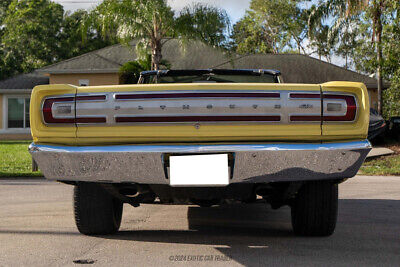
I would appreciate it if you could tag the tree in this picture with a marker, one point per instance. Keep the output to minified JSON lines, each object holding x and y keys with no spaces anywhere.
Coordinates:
{"x":130,"y":71}
{"x":342,"y":11}
{"x":249,"y":37}
{"x":391,"y":97}
{"x":71,"y":42}
{"x":203,"y":22}
{"x":348,"y":42}
{"x":31,"y":32}
{"x":3,"y":9}
{"x":152,"y":22}
{"x":35,"y":33}
{"x":319,"y":42}
{"x":271,"y":26}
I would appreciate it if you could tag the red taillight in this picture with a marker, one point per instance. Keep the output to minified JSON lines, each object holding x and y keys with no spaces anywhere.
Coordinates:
{"x":71,"y":117}
{"x":91,"y":97}
{"x":351,"y":108}
{"x":164,"y":119}
{"x":196,"y":95}
{"x":48,"y":106}
{"x":304,"y":95}
{"x":350,"y":111}
{"x":305,"y":117}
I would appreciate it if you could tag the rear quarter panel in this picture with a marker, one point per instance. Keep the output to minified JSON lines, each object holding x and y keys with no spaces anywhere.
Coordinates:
{"x":357,"y":130}
{"x":42,"y":133}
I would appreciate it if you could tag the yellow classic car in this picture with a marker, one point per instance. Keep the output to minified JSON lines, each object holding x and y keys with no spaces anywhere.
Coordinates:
{"x":202,"y":137}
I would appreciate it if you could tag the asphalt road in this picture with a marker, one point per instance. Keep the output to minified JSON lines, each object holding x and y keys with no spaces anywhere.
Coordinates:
{"x":37,"y":228}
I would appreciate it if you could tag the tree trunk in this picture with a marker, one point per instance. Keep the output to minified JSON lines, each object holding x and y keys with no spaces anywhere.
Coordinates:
{"x":156,"y":45}
{"x":156,"y":54}
{"x":378,"y":33}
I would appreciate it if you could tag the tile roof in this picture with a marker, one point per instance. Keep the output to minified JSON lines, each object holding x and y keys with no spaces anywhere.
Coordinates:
{"x":24,"y":81}
{"x":295,"y":68}
{"x":298,"y":68}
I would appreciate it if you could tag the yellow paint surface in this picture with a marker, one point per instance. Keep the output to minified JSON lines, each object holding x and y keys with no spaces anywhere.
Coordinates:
{"x":51,"y":134}
{"x":343,"y":130}
{"x":92,"y":135}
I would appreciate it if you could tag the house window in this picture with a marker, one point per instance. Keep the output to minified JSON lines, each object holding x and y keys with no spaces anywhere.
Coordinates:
{"x":18,"y":112}
{"x":84,"y":82}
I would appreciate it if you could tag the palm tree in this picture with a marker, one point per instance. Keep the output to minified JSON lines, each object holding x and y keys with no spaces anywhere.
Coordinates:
{"x":343,"y":11}
{"x":153,"y":22}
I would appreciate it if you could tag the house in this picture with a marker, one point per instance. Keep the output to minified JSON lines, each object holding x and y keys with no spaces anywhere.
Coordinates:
{"x":101,"y":67}
{"x":15,"y":94}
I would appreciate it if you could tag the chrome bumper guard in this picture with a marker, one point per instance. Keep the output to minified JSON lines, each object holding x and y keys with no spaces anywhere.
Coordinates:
{"x":252,"y":163}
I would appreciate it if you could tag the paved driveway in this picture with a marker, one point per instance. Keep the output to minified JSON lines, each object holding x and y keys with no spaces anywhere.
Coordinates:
{"x":37,"y":228}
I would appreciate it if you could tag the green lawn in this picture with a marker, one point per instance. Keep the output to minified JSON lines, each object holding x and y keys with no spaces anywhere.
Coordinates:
{"x":386,"y":165}
{"x":15,"y":159}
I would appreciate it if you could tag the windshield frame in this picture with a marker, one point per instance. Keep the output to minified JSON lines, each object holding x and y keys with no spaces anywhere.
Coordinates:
{"x":198,"y":72}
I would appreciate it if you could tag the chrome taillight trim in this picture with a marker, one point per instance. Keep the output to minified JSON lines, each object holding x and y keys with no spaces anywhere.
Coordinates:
{"x":351,"y":106}
{"x":47,"y":107}
{"x":209,"y":107}
{"x":351,"y":103}
{"x":47,"y":110}
{"x":309,"y":118}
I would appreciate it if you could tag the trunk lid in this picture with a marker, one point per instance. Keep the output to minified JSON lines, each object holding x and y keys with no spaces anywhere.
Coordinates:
{"x":201,"y":112}
{"x":198,"y":112}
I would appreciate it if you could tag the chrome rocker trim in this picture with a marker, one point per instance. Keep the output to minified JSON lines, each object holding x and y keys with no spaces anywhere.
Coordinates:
{"x":252,"y":163}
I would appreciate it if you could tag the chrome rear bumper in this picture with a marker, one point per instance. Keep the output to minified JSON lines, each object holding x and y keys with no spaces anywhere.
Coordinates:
{"x":251,"y":163}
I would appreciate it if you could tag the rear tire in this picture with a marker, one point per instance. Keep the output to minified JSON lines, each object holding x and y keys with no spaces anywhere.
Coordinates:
{"x":96,"y":211}
{"x":314,"y":210}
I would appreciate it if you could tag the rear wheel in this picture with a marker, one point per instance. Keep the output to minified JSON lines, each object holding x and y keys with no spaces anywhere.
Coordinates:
{"x":96,"y":211}
{"x":314,"y":210}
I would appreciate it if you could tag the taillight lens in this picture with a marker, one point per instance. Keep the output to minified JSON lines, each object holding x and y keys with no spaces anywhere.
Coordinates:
{"x":48,"y":110}
{"x":65,"y":110}
{"x":351,"y":110}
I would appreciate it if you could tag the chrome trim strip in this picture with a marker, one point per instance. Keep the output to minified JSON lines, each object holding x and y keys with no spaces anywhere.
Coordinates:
{"x":365,"y":144}
{"x":193,"y":106}
{"x":254,"y":163}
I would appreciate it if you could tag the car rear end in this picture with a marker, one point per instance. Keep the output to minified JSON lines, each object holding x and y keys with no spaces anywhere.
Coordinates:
{"x":264,"y":139}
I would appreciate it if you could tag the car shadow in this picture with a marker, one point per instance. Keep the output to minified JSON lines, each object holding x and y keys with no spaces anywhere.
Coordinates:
{"x":368,"y":231}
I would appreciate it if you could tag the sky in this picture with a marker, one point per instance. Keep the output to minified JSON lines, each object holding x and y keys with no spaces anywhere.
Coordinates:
{"x":234,"y":8}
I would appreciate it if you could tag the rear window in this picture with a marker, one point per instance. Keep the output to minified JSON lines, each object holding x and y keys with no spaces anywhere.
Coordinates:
{"x":211,"y":78}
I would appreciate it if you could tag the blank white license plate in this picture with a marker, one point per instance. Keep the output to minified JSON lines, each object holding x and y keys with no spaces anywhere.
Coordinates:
{"x":199,"y":170}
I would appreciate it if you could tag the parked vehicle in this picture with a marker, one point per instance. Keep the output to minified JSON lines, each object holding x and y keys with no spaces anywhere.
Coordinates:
{"x":202,"y":137}
{"x":377,"y":125}
{"x":394,"y":127}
